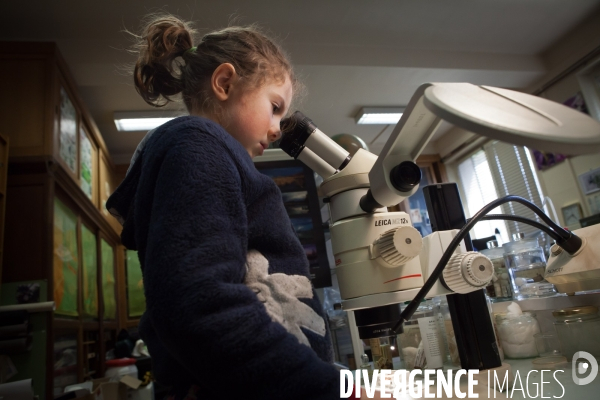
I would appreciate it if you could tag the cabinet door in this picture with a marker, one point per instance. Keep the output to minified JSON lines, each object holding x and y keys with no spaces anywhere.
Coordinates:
{"x":65,"y":260}
{"x":108,"y":280}
{"x":89,"y":269}
{"x":3,"y":163}
{"x":88,"y":174}
{"x":3,"y":176}
{"x":136,"y":301}
{"x":106,"y":186}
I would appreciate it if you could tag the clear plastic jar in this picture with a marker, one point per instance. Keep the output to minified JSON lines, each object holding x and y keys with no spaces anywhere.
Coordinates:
{"x":578,"y":329}
{"x":438,"y":313}
{"x":526,"y":266}
{"x":499,"y":288}
{"x":516,"y":334}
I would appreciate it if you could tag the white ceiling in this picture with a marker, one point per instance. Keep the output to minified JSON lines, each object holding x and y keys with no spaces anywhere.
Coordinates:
{"x":348,"y":53}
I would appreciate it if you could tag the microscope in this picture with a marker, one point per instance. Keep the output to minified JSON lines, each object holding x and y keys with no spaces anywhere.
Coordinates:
{"x":381,"y":261}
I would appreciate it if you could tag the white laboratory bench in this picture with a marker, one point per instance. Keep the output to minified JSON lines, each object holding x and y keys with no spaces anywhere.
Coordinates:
{"x":566,"y":389}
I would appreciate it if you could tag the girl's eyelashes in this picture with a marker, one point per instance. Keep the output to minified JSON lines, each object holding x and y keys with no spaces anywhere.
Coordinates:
{"x":275,"y":108}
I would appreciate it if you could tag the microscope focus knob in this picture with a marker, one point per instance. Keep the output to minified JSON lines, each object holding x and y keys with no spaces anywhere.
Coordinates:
{"x":468,"y":272}
{"x":400,"y":245}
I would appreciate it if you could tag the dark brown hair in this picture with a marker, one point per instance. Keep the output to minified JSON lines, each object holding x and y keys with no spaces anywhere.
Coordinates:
{"x":168,"y":64}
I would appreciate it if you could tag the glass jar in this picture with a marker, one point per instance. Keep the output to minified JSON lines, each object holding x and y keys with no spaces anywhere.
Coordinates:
{"x":547,"y":344}
{"x":516,"y":334}
{"x":419,"y":344}
{"x":526,"y":266}
{"x":499,"y":288}
{"x":578,"y":329}
{"x":366,"y":365}
{"x":447,"y":337}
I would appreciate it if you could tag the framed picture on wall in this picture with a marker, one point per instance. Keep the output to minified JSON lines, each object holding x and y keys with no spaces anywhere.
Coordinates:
{"x":572,"y":214}
{"x":590,"y":181}
{"x":68,"y":131}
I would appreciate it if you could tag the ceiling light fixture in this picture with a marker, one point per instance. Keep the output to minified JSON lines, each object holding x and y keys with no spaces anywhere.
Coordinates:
{"x":379,"y":115}
{"x":143,"y":120}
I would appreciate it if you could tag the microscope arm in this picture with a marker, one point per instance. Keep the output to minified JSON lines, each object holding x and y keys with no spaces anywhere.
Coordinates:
{"x":496,"y":113}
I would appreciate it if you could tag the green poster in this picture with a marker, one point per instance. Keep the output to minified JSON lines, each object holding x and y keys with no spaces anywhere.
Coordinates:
{"x":108,"y":281}
{"x":136,"y":301}
{"x":65,"y":260}
{"x":86,"y":163}
{"x":90,"y":273}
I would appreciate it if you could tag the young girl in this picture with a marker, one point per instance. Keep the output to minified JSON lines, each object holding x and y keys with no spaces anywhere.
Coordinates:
{"x":231,"y":313}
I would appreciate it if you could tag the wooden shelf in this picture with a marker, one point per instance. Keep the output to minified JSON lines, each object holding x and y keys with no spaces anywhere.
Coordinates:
{"x":60,"y":323}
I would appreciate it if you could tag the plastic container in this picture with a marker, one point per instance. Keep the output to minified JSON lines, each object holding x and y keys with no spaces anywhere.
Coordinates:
{"x":516,"y":334}
{"x":526,"y":266}
{"x":578,"y":329}
{"x":500,"y":288}
{"x":117,"y":368}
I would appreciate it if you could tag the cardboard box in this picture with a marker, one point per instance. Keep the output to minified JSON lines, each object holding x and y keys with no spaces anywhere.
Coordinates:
{"x":111,"y":391}
{"x":116,"y":390}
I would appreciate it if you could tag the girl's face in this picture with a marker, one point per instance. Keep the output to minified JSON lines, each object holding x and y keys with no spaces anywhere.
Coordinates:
{"x":253,"y":116}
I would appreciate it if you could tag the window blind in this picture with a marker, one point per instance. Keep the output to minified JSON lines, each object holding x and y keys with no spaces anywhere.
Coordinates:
{"x":513,"y":175}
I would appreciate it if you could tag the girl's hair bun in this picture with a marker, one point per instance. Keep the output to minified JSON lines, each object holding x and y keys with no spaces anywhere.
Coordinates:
{"x":157,"y":72}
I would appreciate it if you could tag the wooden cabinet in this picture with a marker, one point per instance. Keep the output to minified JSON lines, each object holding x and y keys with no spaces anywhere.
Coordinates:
{"x":3,"y":173}
{"x":47,"y":122}
{"x":58,"y":231}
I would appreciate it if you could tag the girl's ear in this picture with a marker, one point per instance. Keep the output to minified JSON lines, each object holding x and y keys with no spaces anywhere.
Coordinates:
{"x":222,"y":80}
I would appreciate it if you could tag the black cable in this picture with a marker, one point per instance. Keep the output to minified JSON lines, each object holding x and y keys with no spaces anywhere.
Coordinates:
{"x":523,"y":220}
{"x":571,"y":244}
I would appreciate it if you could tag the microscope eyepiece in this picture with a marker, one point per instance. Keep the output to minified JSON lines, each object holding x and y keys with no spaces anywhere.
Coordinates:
{"x":302,"y":140}
{"x":295,"y":130}
{"x":405,"y":176}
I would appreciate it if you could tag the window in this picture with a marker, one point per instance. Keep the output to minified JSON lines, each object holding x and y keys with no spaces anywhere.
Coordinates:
{"x":478,"y":188}
{"x":499,"y":170}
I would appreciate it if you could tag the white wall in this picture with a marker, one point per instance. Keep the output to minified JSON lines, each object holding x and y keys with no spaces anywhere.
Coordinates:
{"x":560,"y":182}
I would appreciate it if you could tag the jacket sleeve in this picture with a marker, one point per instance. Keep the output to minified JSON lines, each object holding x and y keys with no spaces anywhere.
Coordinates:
{"x":194,"y":267}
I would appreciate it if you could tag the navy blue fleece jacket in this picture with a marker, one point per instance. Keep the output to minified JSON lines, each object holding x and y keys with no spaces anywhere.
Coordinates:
{"x":230,"y":307}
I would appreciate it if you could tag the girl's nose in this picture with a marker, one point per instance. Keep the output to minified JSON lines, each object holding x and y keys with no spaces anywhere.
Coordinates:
{"x":274,"y":133}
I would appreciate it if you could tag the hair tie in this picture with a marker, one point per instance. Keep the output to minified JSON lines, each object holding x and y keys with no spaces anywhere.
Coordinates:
{"x":191,"y":49}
